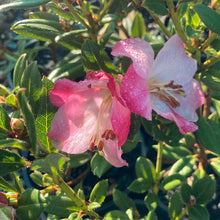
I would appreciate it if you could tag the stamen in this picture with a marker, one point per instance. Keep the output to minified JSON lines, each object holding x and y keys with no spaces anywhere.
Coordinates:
{"x":92,"y":147}
{"x":100,"y":145}
{"x":108,"y":134}
{"x":173,"y":102}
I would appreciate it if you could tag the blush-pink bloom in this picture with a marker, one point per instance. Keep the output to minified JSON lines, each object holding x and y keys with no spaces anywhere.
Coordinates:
{"x":91,"y":115}
{"x":165,"y":85}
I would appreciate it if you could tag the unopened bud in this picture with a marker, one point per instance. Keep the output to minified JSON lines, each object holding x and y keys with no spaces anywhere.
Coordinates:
{"x":17,"y":125}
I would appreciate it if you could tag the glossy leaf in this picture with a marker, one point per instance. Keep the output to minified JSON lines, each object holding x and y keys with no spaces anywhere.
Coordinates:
{"x":40,"y":29}
{"x":138,"y":26}
{"x":31,"y":205}
{"x":4,"y":185}
{"x":174,"y":153}
{"x":95,"y":58}
{"x":186,"y":192}
{"x":151,"y":215}
{"x":199,"y":213}
{"x":183,"y":166}
{"x":122,"y":201}
{"x":60,"y":205}
{"x":116,"y":215}
{"x":203,"y":189}
{"x":31,"y":81}
{"x":99,"y":165}
{"x":157,"y":6}
{"x":15,"y":143}
{"x":19,"y":69}
{"x":140,"y":185}
{"x":99,"y":192}
{"x":210,"y":140}
{"x":216,"y":166}
{"x":151,"y":201}
{"x":51,"y":164}
{"x":10,"y":162}
{"x":22,"y":4}
{"x":4,"y":120}
{"x":209,"y":17}
{"x":29,"y":118}
{"x":77,"y":160}
{"x":175,"y":206}
{"x":173,"y":181}
{"x":145,"y":169}
{"x":45,"y":114}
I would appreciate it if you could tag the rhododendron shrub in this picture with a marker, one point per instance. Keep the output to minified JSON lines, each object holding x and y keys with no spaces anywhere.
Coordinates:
{"x":110,"y":110}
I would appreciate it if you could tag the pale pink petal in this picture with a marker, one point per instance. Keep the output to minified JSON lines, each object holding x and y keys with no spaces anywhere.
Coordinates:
{"x":120,"y":120}
{"x":140,"y":51}
{"x":193,"y":100}
{"x":167,"y":112}
{"x":76,"y":121}
{"x":172,"y":63}
{"x":135,"y":91}
{"x":112,"y":153}
{"x":64,"y":89}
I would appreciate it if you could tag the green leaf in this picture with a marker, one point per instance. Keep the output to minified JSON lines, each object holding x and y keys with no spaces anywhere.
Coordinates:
{"x":211,"y":139}
{"x":99,"y":192}
{"x":122,"y":201}
{"x":192,"y":18}
{"x":185,"y":192}
{"x":71,"y":40}
{"x":151,"y":215}
{"x":40,"y":29}
{"x":174,"y":153}
{"x":93,"y":205}
{"x":110,"y":29}
{"x":12,"y":142}
{"x":95,"y":58}
{"x":19,"y":69}
{"x":51,"y":164}
{"x":138,"y":28}
{"x":99,"y":165}
{"x":31,"y":81}
{"x":31,"y":204}
{"x":22,"y":4}
{"x":11,"y":100}
{"x":4,"y":185}
{"x":151,"y":201}
{"x":173,"y":181}
{"x":43,"y":15}
{"x":55,"y":7}
{"x":157,"y":6}
{"x":4,"y":120}
{"x":116,"y":215}
{"x":198,"y":212}
{"x":204,"y":189}
{"x":212,"y":77}
{"x":175,"y":205}
{"x":60,"y":205}
{"x":77,"y":160}
{"x":140,"y":185}
{"x":45,"y":115}
{"x":209,"y":17}
{"x":216,"y":166}
{"x":29,"y":119}
{"x":183,"y":166}
{"x":145,"y":169}
{"x":10,"y":162}
{"x":37,"y":177}
{"x":70,"y":67}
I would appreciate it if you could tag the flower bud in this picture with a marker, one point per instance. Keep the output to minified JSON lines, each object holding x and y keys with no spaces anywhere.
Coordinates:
{"x":18,"y":126}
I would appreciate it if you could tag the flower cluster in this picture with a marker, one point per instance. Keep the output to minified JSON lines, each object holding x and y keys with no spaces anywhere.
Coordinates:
{"x":95,"y":113}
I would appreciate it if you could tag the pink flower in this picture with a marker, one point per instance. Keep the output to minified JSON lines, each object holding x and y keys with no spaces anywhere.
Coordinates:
{"x":165,"y":85}
{"x":91,"y":115}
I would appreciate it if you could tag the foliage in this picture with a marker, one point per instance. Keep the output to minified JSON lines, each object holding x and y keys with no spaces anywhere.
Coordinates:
{"x":166,"y":168}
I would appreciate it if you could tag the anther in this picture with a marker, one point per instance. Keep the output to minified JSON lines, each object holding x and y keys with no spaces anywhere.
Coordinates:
{"x":92,"y":147}
{"x":100,"y":145}
{"x":173,"y":102}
